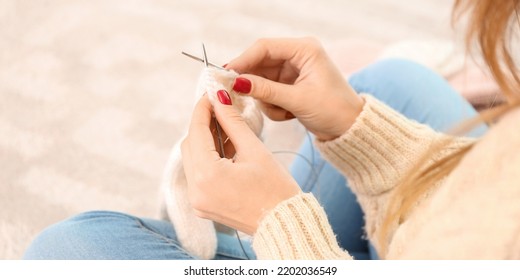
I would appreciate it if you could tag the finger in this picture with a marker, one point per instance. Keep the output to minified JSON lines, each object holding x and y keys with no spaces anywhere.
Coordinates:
{"x":270,"y":92}
{"x":190,"y":171}
{"x":241,"y":136}
{"x":186,"y":160}
{"x":200,"y":138}
{"x":275,"y":113}
{"x":269,"y":52}
{"x":223,"y":142}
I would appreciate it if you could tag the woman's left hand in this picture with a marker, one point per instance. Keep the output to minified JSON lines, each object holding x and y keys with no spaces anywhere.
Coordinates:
{"x":235,"y":192}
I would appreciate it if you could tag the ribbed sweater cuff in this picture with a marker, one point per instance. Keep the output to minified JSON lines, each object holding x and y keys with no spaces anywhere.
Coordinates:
{"x":376,"y":151}
{"x":297,"y":229}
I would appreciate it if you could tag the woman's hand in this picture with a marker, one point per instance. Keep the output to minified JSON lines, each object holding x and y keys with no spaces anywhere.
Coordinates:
{"x":235,"y":192}
{"x":296,"y":78}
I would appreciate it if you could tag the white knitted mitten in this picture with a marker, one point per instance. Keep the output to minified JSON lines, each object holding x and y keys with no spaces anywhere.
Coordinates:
{"x":198,"y":236}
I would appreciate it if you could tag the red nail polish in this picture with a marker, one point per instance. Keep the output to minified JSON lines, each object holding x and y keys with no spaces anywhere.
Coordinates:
{"x":223,"y":97}
{"x":242,"y":85}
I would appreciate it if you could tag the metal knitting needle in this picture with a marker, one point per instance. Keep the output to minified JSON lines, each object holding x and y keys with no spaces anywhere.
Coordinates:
{"x":217,"y":125}
{"x":206,"y":63}
{"x":202,"y":60}
{"x":220,"y":142}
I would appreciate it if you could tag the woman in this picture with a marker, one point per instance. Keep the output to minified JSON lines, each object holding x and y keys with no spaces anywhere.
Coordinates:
{"x":424,"y":194}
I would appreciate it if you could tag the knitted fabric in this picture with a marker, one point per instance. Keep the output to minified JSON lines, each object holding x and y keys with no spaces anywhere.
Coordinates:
{"x":297,"y":229}
{"x":378,"y":150}
{"x":196,"y":235}
{"x":212,"y":79}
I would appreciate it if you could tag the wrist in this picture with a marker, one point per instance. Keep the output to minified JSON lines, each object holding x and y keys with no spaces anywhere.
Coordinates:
{"x":274,"y":203}
{"x":350,"y":110}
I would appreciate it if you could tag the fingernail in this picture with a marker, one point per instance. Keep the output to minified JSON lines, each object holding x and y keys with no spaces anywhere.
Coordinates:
{"x":223,"y":97}
{"x":224,"y":66}
{"x":289,"y":116}
{"x":242,"y":85}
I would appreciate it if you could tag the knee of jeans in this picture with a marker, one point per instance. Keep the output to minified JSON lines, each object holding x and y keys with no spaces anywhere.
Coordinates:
{"x":59,"y":240}
{"x":396,"y":78}
{"x":99,"y":215}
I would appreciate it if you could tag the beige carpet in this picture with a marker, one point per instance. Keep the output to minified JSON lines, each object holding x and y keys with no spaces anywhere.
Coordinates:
{"x":94,"y":93}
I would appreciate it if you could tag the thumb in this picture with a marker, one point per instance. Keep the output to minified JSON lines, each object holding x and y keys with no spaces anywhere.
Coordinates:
{"x":265,"y":90}
{"x":241,"y":136}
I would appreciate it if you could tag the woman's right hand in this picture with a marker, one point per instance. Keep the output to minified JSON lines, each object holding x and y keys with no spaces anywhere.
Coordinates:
{"x":295,"y":78}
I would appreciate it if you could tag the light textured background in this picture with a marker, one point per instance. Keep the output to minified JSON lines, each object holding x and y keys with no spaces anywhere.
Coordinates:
{"x":93,"y":94}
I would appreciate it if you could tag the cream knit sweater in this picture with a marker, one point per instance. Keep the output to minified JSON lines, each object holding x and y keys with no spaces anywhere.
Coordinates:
{"x":472,"y":214}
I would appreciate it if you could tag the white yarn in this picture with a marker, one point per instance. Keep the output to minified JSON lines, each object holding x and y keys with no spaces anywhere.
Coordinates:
{"x":212,"y":79}
{"x":196,"y":235}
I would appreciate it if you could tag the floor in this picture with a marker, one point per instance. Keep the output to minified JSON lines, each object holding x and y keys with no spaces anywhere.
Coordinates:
{"x":93,"y":94}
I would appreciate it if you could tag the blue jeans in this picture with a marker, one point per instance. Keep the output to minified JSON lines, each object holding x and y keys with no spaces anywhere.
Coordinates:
{"x":409,"y":88}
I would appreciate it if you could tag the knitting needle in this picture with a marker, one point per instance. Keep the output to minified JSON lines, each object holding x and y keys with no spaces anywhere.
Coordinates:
{"x":202,"y":60}
{"x":217,"y":125}
{"x":206,"y":63}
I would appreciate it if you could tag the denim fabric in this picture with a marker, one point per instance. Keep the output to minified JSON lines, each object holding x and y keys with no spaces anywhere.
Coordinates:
{"x":112,"y":235}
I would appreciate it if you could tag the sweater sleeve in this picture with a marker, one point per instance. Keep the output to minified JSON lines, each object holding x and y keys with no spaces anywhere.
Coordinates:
{"x":373,"y":154}
{"x":377,"y":151}
{"x":297,"y":228}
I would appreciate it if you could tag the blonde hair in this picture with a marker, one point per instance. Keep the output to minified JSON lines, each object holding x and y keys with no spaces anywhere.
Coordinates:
{"x":490,"y":24}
